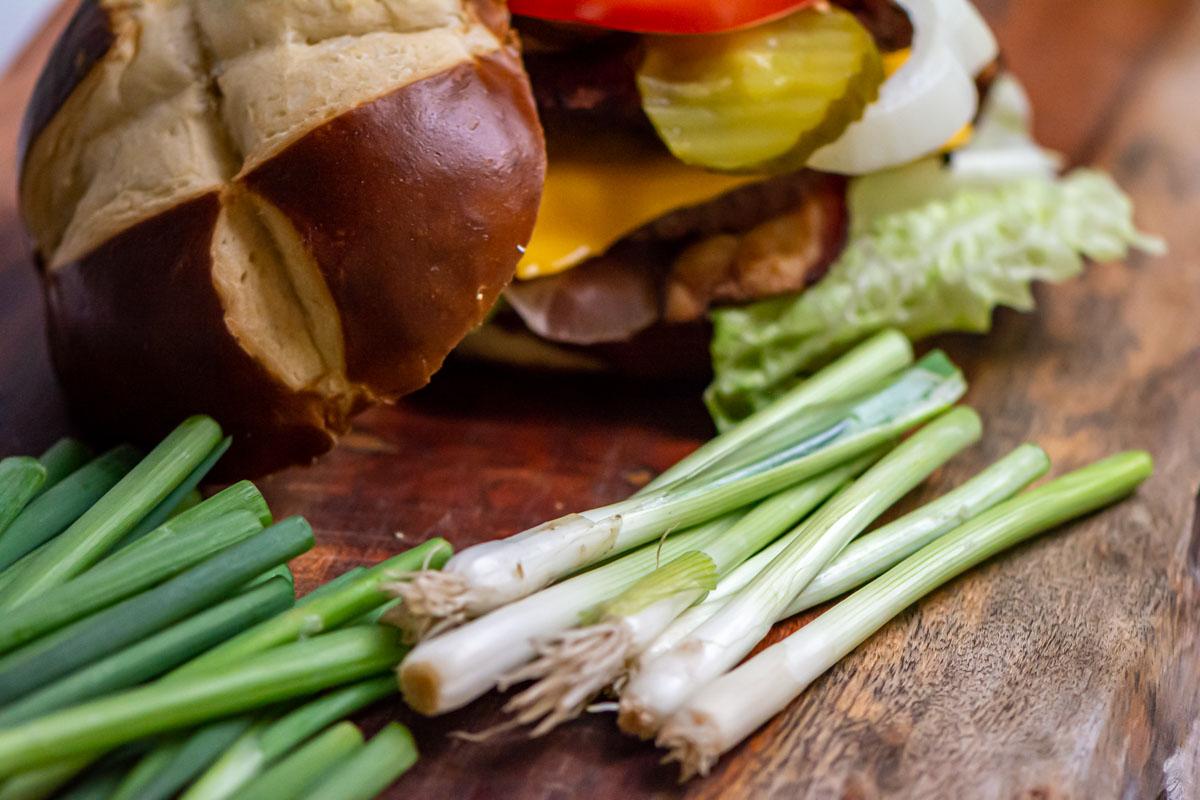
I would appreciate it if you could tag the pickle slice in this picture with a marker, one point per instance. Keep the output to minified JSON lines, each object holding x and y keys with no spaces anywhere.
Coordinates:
{"x":761,"y":99}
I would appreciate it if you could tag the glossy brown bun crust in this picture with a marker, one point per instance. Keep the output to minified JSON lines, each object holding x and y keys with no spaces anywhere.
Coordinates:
{"x":274,"y":213}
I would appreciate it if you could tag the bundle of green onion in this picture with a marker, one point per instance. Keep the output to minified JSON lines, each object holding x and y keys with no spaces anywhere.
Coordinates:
{"x":660,"y":596}
{"x":151,"y":645}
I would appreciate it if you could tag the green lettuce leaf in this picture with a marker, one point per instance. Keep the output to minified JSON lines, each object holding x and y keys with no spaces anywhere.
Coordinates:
{"x":934,"y":246}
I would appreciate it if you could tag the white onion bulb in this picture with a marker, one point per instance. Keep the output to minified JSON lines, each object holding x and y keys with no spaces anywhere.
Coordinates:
{"x":929,"y":99}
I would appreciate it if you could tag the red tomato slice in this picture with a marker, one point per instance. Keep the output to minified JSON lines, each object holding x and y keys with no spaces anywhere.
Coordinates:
{"x":659,"y":16}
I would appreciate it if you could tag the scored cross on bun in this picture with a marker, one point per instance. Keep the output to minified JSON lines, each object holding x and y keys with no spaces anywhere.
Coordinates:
{"x":277,"y":212}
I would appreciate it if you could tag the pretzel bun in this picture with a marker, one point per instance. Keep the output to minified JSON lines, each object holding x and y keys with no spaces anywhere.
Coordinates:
{"x":277,"y":212}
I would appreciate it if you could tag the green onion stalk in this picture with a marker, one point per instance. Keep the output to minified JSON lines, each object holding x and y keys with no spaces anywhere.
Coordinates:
{"x":242,"y":496}
{"x":21,"y":478}
{"x":295,"y":775}
{"x":56,"y":507}
{"x":855,"y":373}
{"x":110,"y":583}
{"x":492,"y":574}
{"x":118,"y":626}
{"x":321,"y":610}
{"x":115,"y":514}
{"x":283,"y":673}
{"x":62,"y":458}
{"x":873,"y":553}
{"x":256,"y":755}
{"x":661,"y":685}
{"x":154,"y":655}
{"x":575,"y":665}
{"x":731,"y":707}
{"x":369,"y":769}
{"x":451,"y":670}
{"x":286,"y":627}
{"x":180,"y":495}
{"x":172,"y":766}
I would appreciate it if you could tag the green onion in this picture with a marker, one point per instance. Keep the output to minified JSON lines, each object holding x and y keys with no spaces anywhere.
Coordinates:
{"x":734,"y":705}
{"x":873,"y":553}
{"x":38,"y":784}
{"x":352,"y":574}
{"x":99,"y":785}
{"x":661,"y":685}
{"x":281,"y":571}
{"x":291,"y":777}
{"x":62,"y":458}
{"x":293,"y":670}
{"x":451,"y":670}
{"x":270,"y":740}
{"x":575,"y":665}
{"x":117,"y":512}
{"x":187,"y":502}
{"x":326,"y":612}
{"x":194,"y":754}
{"x":241,"y":496}
{"x":151,"y":764}
{"x":489,"y":575}
{"x":371,"y":769}
{"x":310,"y":616}
{"x":52,"y":511}
{"x":111,"y":582}
{"x":154,"y":655}
{"x":167,"y":507}
{"x":852,"y":374}
{"x":120,"y":625}
{"x":21,"y":478}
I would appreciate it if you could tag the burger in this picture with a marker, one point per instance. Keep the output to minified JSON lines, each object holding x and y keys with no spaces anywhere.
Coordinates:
{"x":744,"y":189}
{"x":281,"y":213}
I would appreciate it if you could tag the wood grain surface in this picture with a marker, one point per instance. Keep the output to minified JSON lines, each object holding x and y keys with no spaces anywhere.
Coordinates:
{"x":1069,"y":668}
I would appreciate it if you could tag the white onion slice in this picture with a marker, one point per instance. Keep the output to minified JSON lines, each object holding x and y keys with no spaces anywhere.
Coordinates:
{"x":970,"y":36}
{"x":929,"y":99}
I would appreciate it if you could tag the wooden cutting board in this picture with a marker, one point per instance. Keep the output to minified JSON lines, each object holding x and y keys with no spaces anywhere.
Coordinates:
{"x":1067,"y":668}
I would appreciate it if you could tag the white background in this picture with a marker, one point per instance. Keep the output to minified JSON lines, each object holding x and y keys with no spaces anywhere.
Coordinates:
{"x":19,"y":20}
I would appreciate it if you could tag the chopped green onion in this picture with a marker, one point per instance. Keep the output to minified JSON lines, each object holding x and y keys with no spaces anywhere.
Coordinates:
{"x":123,"y":577}
{"x":21,"y":478}
{"x":573,"y":666}
{"x":54,"y":509}
{"x":117,"y":512}
{"x":451,"y":670}
{"x":154,"y":655}
{"x":107,"y":631}
{"x":293,"y":670}
{"x":489,"y":575}
{"x":271,"y":740}
{"x":854,"y":373}
{"x":292,"y":776}
{"x":370,"y":769}
{"x":170,"y":504}
{"x":735,"y":704}
{"x":661,"y":685}
{"x":62,"y":458}
{"x":871,"y":554}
